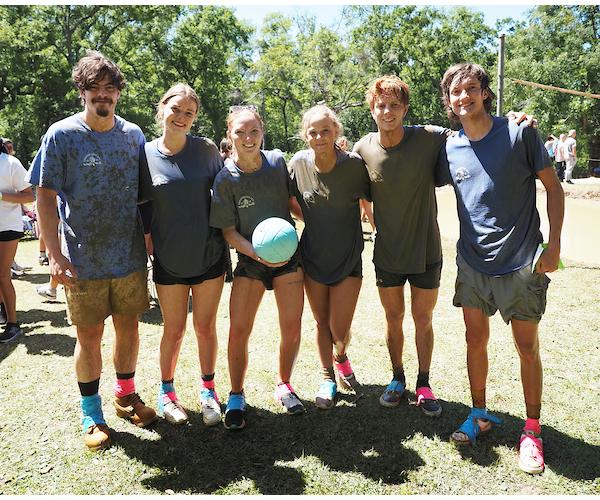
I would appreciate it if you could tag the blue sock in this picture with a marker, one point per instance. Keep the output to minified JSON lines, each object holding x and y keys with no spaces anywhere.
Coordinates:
{"x":167,"y":387}
{"x":91,"y":406}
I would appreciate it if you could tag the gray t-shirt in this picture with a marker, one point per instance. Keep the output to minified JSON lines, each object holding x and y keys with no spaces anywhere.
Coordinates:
{"x":180,"y":189}
{"x":403,"y":192}
{"x":331,"y":243}
{"x":494,"y":182}
{"x":244,"y":200}
{"x":97,"y":176}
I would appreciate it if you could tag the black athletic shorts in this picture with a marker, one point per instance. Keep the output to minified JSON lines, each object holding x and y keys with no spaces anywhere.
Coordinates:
{"x":427,"y":280}
{"x":11,"y":235}
{"x":162,"y":277}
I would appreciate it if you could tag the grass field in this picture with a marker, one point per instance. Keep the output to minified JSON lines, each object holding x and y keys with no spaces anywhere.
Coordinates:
{"x":356,"y":448}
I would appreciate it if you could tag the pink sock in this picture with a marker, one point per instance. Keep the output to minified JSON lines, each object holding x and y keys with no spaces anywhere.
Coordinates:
{"x":533,"y":424}
{"x":124,"y":387}
{"x":344,"y":368}
{"x":208,"y":384}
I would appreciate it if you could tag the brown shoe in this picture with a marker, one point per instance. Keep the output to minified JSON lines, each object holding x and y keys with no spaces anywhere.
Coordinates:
{"x":97,"y":437}
{"x":133,"y":408}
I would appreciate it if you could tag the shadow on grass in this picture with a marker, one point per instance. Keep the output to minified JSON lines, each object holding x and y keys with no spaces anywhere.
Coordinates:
{"x":34,"y":278}
{"x":362,"y":437}
{"x":41,"y":344}
{"x":365,"y":438}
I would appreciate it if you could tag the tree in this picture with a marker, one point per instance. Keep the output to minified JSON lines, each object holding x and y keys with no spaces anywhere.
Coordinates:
{"x":558,"y":46}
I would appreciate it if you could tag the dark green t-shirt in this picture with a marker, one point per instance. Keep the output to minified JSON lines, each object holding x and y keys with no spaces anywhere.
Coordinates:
{"x":244,"y":200}
{"x":331,"y":242}
{"x":179,"y":187}
{"x":403,"y":192}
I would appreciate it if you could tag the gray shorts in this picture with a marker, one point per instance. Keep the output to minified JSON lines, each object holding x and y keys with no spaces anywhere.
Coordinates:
{"x":518,"y":295}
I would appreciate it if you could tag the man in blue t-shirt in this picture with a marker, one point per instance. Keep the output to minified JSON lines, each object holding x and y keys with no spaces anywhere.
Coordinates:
{"x":492,"y":164}
{"x":92,"y":160}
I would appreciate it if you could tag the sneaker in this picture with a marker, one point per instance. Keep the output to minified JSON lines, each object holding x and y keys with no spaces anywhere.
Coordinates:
{"x":288,"y":399}
{"x":3,"y":317}
{"x":14,"y":273}
{"x":235,"y":413}
{"x":43,"y":260}
{"x":97,"y":437}
{"x":10,"y":333}
{"x":428,"y":402}
{"x":346,"y":375}
{"x":392,"y":395}
{"x":531,"y":452}
{"x":569,"y":181}
{"x":18,"y":268}
{"x":211,"y":408}
{"x":47,"y":291}
{"x":325,"y":398}
{"x":171,"y":410}
{"x":132,"y":408}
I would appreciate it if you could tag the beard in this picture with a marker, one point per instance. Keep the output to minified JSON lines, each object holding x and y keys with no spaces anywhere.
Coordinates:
{"x":102,"y":111}
{"x":102,"y":107}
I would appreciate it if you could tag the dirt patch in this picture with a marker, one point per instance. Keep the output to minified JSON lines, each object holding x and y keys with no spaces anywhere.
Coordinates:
{"x":586,"y":189}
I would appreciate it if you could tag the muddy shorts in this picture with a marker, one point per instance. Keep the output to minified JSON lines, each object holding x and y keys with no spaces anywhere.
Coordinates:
{"x":92,"y":301}
{"x":518,"y":295}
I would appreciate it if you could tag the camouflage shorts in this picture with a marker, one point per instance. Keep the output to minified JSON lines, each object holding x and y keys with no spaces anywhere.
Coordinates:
{"x":92,"y":301}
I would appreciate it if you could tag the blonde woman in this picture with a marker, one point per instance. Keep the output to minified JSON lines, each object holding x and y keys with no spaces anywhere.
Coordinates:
{"x":328,"y":184}
{"x":252,"y":186}
{"x":190,"y":257}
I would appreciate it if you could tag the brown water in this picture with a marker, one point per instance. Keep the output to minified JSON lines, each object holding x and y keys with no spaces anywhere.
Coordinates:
{"x":580,"y":239}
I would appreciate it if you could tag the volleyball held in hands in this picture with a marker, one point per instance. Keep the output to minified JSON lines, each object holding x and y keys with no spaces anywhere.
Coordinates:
{"x":274,"y":240}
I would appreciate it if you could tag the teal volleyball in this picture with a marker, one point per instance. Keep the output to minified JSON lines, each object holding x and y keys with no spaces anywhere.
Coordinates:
{"x":274,"y":240}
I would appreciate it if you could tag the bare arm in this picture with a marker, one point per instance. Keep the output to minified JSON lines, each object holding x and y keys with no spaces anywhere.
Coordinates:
{"x":242,"y":245}
{"x":295,"y":209}
{"x":25,"y":196}
{"x":365,"y":207}
{"x":60,"y":267}
{"x":555,"y":199}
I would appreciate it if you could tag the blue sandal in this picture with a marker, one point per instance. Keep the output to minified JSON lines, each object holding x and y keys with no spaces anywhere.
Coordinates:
{"x":471,"y":428}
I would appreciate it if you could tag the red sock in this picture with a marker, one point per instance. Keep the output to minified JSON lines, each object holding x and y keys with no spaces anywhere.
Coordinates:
{"x":124,"y":387}
{"x":208,"y":384}
{"x":533,"y":424}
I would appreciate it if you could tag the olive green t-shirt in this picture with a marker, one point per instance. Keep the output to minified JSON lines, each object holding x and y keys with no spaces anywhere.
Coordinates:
{"x":331,"y":243}
{"x":403,"y":193}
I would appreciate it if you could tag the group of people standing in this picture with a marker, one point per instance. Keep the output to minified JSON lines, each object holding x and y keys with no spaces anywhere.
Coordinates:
{"x":201,"y":205}
{"x":564,"y":153}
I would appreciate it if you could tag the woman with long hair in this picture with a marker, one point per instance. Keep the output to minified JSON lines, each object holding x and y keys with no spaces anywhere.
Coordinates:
{"x":328,"y":184}
{"x":189,"y":257}
{"x":253,"y":186}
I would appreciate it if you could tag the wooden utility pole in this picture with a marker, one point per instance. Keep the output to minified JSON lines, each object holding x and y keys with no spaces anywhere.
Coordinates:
{"x":500,"y":92}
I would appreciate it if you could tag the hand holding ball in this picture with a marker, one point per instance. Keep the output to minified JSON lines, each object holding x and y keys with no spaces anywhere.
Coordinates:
{"x":274,"y":240}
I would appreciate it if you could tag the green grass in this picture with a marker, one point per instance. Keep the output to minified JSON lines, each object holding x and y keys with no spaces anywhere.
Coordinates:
{"x":356,"y":448}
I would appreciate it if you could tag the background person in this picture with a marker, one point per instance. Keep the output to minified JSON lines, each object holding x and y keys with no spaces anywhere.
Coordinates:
{"x":253,"y":186}
{"x":190,"y":257}
{"x":560,"y":156}
{"x":14,"y":190}
{"x":570,"y":155}
{"x":328,"y":184}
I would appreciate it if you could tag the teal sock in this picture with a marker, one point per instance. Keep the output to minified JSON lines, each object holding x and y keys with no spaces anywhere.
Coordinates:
{"x":167,"y":386}
{"x":91,"y":406}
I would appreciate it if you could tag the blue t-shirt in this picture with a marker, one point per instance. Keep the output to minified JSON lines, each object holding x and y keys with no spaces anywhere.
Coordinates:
{"x":97,"y":175}
{"x":494,"y":182}
{"x":180,"y":189}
